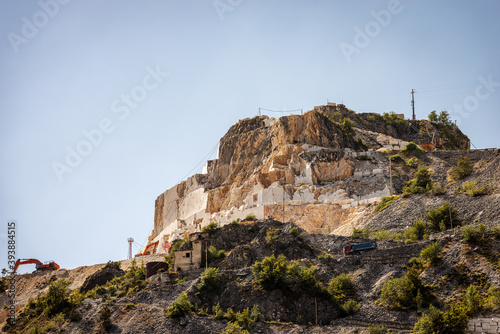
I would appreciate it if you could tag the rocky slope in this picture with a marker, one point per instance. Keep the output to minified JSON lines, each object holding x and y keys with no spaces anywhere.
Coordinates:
{"x":462,"y":263}
{"x":318,"y":165}
{"x":325,"y":209}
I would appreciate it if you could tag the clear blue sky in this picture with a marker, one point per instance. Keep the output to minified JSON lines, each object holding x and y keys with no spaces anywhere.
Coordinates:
{"x":162,"y":81}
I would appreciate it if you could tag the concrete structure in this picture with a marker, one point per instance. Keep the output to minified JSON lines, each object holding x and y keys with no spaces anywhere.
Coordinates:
{"x":192,"y":254}
{"x":484,"y":325}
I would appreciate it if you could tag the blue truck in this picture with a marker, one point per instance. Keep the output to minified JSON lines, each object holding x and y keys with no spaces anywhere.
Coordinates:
{"x":353,"y":249}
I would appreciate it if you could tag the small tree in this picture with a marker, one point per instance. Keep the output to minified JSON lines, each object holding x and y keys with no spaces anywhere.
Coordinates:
{"x":269,"y":273}
{"x":209,"y":279}
{"x":462,"y":169}
{"x":445,"y":213}
{"x":104,"y":317}
{"x":180,"y":307}
{"x":397,"y":293}
{"x":271,"y":235}
{"x":421,"y":183}
{"x":410,"y":147}
{"x":211,"y":228}
{"x":57,"y":296}
{"x":473,"y":300}
{"x":444,"y":118}
{"x":432,"y":253}
{"x":347,"y":127}
{"x":433,"y":117}
{"x":340,"y":286}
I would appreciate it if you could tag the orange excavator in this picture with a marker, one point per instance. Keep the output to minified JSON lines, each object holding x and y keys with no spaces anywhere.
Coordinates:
{"x":49,"y":265}
{"x":150,"y":249}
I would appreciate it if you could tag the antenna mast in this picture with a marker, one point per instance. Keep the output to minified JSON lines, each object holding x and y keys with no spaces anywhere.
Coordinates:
{"x":130,"y":241}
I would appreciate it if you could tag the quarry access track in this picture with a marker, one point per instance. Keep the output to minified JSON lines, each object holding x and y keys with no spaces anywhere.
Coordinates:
{"x":407,"y":327}
{"x":394,"y":255}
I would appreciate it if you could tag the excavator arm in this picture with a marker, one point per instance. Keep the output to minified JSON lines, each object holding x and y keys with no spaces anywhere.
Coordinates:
{"x":25,"y":261}
{"x":150,"y":249}
{"x":51,"y":265}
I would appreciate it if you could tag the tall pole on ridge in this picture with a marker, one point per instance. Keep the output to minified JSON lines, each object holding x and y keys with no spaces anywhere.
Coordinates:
{"x":413,"y":104}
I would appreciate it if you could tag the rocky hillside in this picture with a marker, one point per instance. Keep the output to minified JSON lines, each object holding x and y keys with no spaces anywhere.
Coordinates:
{"x":319,"y":165}
{"x":436,"y":265}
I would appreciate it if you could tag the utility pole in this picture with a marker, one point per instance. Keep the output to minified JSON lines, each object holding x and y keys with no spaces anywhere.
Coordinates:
{"x":316,"y":307}
{"x":283,"y":203}
{"x":413,"y":104}
{"x":390,"y":175}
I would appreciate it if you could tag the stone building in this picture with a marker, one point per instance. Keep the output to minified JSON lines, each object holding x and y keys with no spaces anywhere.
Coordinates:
{"x":192,"y":253}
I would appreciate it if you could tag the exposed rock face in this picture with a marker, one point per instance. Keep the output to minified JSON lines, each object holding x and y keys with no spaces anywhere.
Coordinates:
{"x":305,"y":165}
{"x":303,"y":161}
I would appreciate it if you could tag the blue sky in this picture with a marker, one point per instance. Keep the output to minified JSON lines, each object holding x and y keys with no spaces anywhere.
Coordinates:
{"x":156,"y":84}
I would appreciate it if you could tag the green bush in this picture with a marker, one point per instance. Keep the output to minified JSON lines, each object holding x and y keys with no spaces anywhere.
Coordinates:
{"x":472,"y":235}
{"x":413,"y":162}
{"x":129,"y":306}
{"x":104,"y":313}
{"x":56,"y":298}
{"x":472,"y":188}
{"x":275,"y":273}
{"x":410,"y":147}
{"x":180,"y":307}
{"x":234,"y":328}
{"x":347,"y":127}
{"x":454,"y":320}
{"x":341,"y":286}
{"x":256,"y":314}
{"x":493,"y":300}
{"x":416,"y":232}
{"x":428,"y":322}
{"x":270,"y":272}
{"x":437,"y":189}
{"x":251,"y":217}
{"x":214,"y":253}
{"x":397,"y":293}
{"x":462,"y":169}
{"x":421,"y":183}
{"x":211,"y":228}
{"x":217,"y":312}
{"x":361,"y":232}
{"x":209,"y":279}
{"x":445,"y":213}
{"x":325,"y":256}
{"x":382,"y":235}
{"x":401,"y":125}
{"x":396,"y":158}
{"x":432,"y":253}
{"x":335,"y":117}
{"x":385,"y":202}
{"x":496,"y":231}
{"x":271,"y":235}
{"x":349,"y":307}
{"x":360,"y":145}
{"x":294,"y":231}
{"x":235,"y":222}
{"x":374,"y":330}
{"x":472,"y":300}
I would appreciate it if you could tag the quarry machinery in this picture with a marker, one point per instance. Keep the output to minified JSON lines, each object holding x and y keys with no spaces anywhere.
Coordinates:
{"x":48,"y":265}
{"x":353,"y":249}
{"x":150,"y":249}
